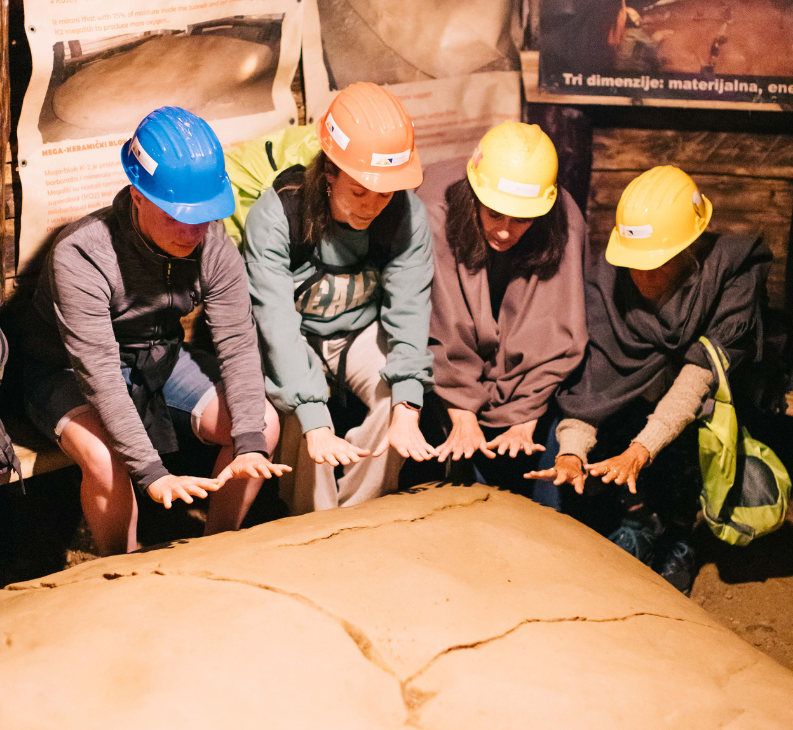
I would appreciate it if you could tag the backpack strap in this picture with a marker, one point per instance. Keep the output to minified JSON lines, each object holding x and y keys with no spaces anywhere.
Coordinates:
{"x":289,"y":186}
{"x":718,"y":364}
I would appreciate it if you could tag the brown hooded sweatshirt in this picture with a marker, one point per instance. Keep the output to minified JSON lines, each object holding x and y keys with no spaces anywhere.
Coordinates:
{"x":503,"y":370}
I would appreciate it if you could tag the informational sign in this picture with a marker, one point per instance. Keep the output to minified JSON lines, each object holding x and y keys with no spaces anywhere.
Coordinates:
{"x":100,"y":67}
{"x":455,"y":65}
{"x":687,"y":52}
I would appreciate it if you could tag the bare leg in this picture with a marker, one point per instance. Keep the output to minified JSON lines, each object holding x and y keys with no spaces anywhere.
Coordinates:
{"x":229,"y":505}
{"x":105,"y":492}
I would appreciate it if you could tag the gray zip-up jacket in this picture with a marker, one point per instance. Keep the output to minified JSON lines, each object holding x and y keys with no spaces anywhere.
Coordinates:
{"x":103,"y":285}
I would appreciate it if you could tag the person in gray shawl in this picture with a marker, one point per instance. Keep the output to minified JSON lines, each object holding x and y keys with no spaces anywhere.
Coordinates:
{"x":663,"y":284}
{"x":508,"y":323}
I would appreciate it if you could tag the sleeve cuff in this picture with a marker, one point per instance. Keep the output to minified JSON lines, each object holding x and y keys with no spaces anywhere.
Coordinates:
{"x":313,"y":415}
{"x":576,"y":437}
{"x":411,"y":390}
{"x":655,"y":436}
{"x":149,"y":474}
{"x":250,"y":442}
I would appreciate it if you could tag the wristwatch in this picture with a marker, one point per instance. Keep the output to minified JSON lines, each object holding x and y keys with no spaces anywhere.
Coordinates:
{"x":409,"y":405}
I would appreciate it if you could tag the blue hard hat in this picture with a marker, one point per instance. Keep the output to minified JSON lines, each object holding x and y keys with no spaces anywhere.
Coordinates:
{"x":176,"y":161}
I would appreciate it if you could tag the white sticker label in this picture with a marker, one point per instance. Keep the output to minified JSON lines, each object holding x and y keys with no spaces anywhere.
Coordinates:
{"x":636,"y":231}
{"x":400,"y":158}
{"x":522,"y":190}
{"x":341,"y":139}
{"x":143,"y":157}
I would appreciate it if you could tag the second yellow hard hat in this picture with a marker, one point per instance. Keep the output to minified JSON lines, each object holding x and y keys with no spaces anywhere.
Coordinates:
{"x":513,"y":171}
{"x":660,"y":213}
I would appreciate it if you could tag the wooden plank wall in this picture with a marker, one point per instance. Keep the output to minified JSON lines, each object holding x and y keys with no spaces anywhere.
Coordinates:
{"x":747,"y":177}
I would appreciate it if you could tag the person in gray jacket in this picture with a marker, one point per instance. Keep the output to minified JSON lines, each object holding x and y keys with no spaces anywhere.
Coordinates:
{"x":109,"y":375}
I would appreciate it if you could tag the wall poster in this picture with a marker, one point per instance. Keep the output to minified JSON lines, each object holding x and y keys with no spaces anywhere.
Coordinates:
{"x":718,"y":53}
{"x":455,"y":64}
{"x":99,"y":67}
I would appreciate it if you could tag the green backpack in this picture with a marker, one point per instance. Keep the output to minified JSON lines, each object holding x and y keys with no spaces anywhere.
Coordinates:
{"x":252,"y":167}
{"x":745,"y":487}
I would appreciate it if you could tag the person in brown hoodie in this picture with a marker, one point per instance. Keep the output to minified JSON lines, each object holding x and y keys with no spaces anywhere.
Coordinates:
{"x":508,"y":322}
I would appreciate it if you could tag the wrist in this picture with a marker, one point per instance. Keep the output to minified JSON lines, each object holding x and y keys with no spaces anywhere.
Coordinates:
{"x":458,"y":415}
{"x":401,"y":412}
{"x":640,"y":450}
{"x":570,"y":456}
{"x":408,"y":405}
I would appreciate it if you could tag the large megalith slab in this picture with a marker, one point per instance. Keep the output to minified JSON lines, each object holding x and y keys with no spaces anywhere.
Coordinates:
{"x":447,"y":609}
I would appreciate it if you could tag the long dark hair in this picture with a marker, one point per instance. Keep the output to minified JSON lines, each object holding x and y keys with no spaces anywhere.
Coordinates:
{"x":315,"y":205}
{"x":539,"y":251}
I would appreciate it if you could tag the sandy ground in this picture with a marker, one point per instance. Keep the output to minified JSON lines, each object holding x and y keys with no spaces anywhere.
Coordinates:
{"x":749,"y":589}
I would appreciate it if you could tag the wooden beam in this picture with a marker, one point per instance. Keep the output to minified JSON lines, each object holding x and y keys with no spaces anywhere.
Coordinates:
{"x":708,"y":153}
{"x":5,"y":127}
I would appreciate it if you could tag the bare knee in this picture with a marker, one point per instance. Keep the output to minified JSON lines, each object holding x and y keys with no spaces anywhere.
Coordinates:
{"x":85,"y":440}
{"x":272,"y":429}
{"x":214,"y":422}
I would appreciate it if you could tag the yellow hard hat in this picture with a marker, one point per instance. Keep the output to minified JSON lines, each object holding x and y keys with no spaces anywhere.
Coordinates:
{"x":513,"y":170}
{"x":660,"y":213}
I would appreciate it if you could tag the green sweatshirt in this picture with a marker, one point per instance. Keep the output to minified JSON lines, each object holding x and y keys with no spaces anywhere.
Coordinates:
{"x":337,"y":304}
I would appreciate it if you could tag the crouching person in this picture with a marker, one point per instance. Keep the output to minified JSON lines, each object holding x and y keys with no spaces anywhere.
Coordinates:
{"x":664,"y":282}
{"x":340,"y":263}
{"x":110,"y":377}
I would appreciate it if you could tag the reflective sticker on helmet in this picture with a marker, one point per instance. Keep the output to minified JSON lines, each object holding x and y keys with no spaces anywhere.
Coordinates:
{"x":143,"y":157}
{"x":400,"y":158}
{"x":636,"y":231}
{"x":523,"y":190}
{"x":341,"y":139}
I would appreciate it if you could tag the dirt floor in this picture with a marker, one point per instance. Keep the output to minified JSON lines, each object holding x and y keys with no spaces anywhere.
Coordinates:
{"x":750,"y":589}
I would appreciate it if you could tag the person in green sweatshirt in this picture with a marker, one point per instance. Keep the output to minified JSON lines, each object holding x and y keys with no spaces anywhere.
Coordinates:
{"x":339,"y":258}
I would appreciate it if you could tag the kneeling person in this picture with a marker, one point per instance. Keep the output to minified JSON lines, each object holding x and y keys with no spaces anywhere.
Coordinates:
{"x":110,"y":376}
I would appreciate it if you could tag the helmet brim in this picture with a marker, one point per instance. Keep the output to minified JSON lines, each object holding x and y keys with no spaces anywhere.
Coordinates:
{"x":512,"y":205}
{"x":620,"y":253}
{"x":221,"y":206}
{"x":405,"y":177}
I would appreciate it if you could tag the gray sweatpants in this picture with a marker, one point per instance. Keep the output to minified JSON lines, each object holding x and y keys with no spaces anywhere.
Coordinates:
{"x":312,"y":486}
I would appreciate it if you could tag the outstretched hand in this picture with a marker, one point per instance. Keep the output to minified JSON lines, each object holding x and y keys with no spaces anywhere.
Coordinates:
{"x":465,"y":439}
{"x":624,"y":468}
{"x":568,"y":470}
{"x":251,"y":466}
{"x":169,"y":488}
{"x":404,"y":436}
{"x":324,"y":447}
{"x":516,"y":439}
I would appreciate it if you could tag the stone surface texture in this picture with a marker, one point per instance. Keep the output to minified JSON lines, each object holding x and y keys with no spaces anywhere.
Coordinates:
{"x":449,"y":608}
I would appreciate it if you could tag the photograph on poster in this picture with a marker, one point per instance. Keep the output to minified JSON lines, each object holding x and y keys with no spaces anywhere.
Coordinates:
{"x":718,"y":50}
{"x":395,"y":43}
{"x":217,"y":69}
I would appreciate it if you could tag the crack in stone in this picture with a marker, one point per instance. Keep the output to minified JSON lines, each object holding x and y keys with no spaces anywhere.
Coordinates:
{"x":525,"y":622}
{"x":362,"y":641}
{"x":110,"y":576}
{"x":384,"y":524}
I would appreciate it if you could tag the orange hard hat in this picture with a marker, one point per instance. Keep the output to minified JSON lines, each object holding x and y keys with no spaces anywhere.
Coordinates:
{"x":368,"y":133}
